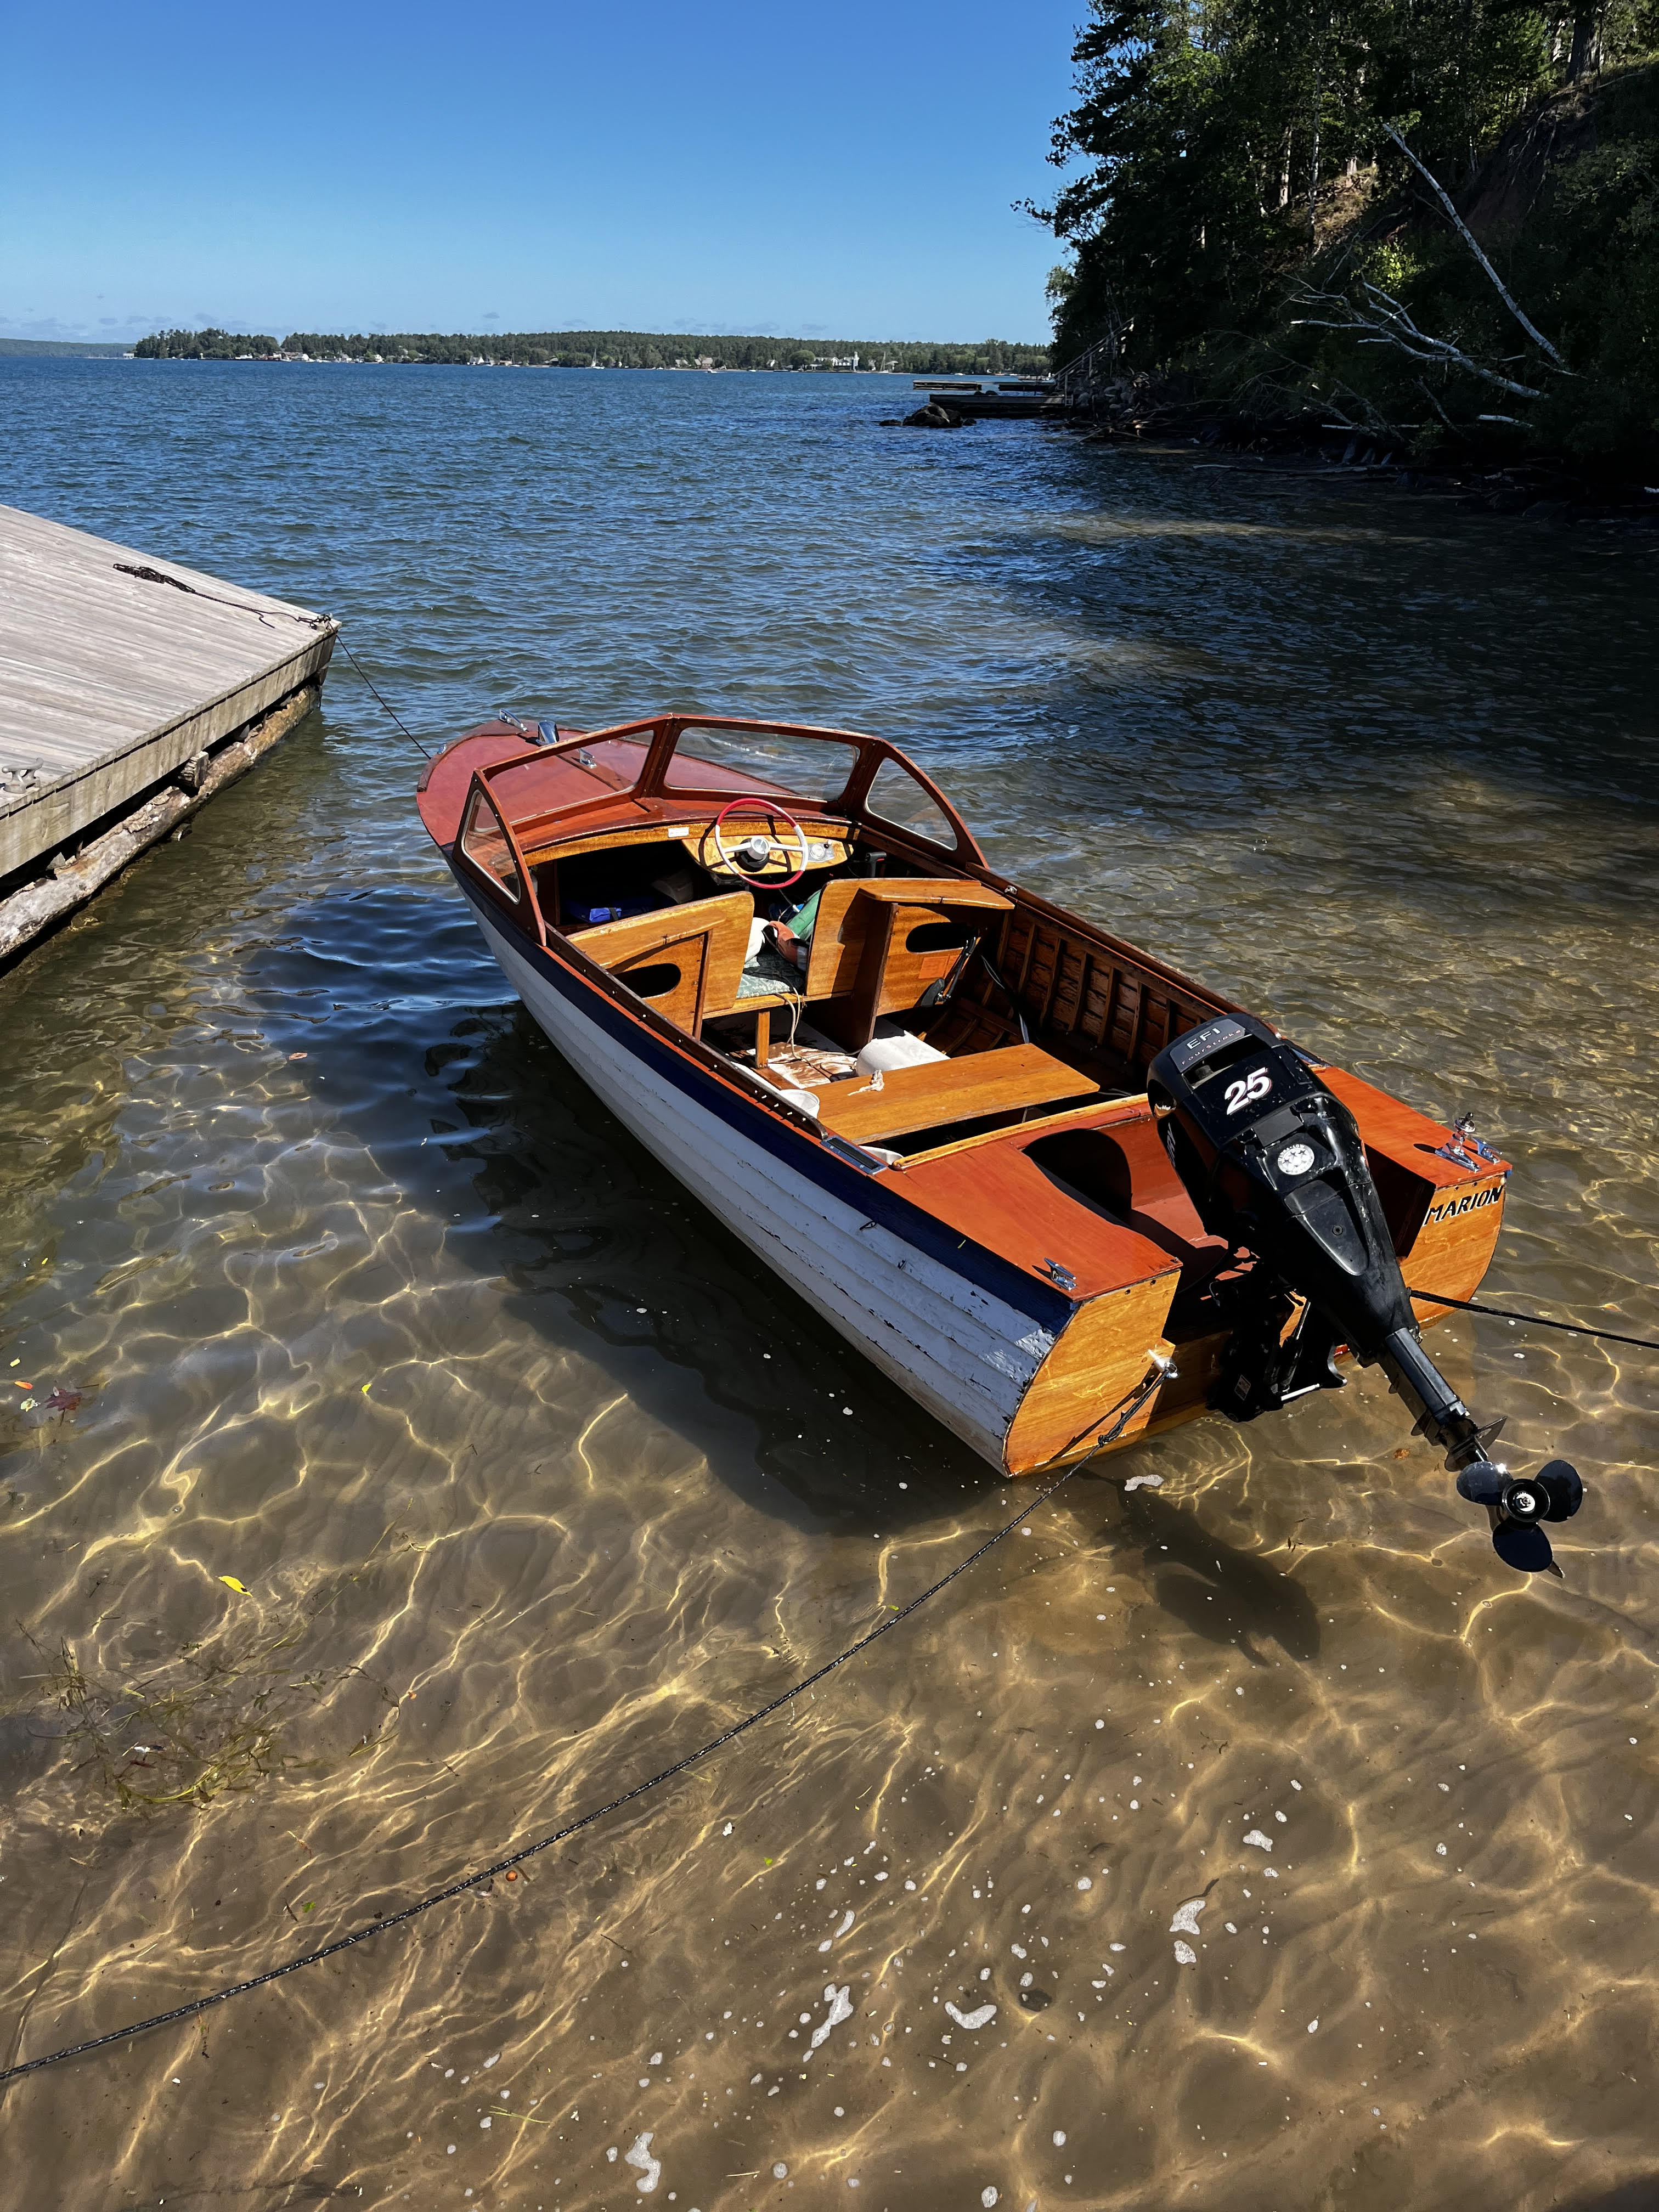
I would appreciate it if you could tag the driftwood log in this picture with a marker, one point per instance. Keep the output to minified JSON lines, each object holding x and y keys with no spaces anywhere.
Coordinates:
{"x":69,"y":884}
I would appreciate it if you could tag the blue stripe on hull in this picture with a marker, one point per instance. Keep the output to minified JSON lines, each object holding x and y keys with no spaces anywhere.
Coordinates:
{"x":874,"y":1195}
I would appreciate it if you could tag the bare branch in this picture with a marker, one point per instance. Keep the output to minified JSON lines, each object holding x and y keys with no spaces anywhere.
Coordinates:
{"x":1388,"y":324}
{"x":1374,"y":421}
{"x":1469,"y":239}
{"x":1437,"y":408}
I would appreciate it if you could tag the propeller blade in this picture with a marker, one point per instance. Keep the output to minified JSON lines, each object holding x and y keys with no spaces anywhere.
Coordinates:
{"x":1562,"y":1485}
{"x":1527,"y":1550}
{"x":1482,"y":1483}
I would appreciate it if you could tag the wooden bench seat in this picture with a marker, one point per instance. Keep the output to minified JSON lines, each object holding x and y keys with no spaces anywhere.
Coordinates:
{"x":684,"y":960}
{"x":941,"y":1091}
{"x":874,"y":950}
{"x":877,"y":946}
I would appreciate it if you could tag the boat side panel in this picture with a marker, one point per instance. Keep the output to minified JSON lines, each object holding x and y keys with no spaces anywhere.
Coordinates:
{"x":1101,"y":1358}
{"x":963,"y":1366}
{"x":1453,"y":1249}
{"x":1445,"y":1213}
{"x":965,"y":1354}
{"x":1084,"y":994}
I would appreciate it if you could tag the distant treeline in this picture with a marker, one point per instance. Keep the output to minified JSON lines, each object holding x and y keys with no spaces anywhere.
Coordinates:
{"x":606,"y":349}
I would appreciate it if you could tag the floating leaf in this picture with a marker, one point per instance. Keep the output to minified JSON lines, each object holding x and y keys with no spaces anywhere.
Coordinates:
{"x":63,"y":1401}
{"x":231,"y":1583}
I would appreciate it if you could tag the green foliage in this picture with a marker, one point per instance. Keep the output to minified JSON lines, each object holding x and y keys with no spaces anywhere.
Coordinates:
{"x":203,"y":345}
{"x":1392,"y":263}
{"x":610,"y":350}
{"x":1242,"y":192}
{"x":1591,"y":254}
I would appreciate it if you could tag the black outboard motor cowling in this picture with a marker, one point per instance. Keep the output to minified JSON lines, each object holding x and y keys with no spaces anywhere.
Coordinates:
{"x":1275,"y":1164}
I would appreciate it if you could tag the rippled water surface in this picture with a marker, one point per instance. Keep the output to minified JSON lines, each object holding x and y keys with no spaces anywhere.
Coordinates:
{"x":535,"y":1481}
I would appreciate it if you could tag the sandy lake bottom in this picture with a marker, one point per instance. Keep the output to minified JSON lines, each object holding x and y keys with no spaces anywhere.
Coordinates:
{"x":1245,"y":1839}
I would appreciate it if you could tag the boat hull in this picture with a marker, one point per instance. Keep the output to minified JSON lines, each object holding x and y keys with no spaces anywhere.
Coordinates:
{"x":913,"y":1267}
{"x":965,"y":1354}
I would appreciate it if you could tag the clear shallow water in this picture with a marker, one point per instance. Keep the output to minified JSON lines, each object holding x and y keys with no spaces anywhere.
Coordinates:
{"x":535,"y":1481}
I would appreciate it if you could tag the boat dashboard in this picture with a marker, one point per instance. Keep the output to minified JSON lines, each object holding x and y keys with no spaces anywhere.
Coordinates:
{"x":752,"y":845}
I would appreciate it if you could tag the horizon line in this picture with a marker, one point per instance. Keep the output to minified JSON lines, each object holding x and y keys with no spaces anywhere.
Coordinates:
{"x":501,"y":335}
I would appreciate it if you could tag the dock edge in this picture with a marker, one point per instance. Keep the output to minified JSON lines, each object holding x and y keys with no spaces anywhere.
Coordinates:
{"x":39,"y":908}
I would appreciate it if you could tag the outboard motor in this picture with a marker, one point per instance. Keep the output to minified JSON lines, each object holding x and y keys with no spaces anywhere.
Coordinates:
{"x":1275,"y":1164}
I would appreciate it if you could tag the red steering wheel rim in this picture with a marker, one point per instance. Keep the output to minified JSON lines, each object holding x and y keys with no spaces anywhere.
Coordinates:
{"x":754,"y":806}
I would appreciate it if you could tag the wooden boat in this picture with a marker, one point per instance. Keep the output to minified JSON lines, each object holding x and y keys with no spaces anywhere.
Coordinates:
{"x":921,"y":1092}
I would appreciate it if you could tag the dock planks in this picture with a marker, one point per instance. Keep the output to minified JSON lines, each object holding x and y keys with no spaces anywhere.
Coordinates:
{"x":110,"y":684}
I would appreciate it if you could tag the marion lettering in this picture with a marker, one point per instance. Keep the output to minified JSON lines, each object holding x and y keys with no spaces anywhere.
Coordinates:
{"x":1471,"y":1202}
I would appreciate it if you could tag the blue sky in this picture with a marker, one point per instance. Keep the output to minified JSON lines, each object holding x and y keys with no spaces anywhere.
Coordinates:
{"x":840,"y":169}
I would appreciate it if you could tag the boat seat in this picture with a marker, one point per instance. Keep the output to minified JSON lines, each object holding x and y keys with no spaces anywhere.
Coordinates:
{"x":878,"y":943}
{"x":1124,"y":1172}
{"x":686,"y":961}
{"x":943,"y":1092}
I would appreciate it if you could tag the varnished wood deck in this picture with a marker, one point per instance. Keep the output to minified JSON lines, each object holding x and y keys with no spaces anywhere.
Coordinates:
{"x":110,"y":683}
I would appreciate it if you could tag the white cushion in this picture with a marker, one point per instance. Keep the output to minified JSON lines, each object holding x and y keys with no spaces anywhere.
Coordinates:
{"x":883,"y":1054}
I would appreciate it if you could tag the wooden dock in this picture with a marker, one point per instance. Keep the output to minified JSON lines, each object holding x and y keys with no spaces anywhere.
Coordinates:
{"x":131,"y":690}
{"x":1013,"y":398}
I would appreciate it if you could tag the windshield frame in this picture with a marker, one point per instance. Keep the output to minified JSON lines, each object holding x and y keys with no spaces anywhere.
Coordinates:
{"x":651,"y":791}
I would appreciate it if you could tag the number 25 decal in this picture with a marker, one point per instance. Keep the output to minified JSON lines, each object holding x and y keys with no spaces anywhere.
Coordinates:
{"x":1247,"y":1089}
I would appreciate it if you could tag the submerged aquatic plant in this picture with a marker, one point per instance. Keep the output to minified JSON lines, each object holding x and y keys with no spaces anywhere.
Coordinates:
{"x":201,"y":1724}
{"x":214,"y":1717}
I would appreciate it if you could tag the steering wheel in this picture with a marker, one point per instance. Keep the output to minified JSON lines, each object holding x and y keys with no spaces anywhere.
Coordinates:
{"x":729,"y":860}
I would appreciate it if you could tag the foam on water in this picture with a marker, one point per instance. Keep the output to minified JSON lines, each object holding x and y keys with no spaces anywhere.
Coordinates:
{"x":840,"y":2008}
{"x":639,"y":2154}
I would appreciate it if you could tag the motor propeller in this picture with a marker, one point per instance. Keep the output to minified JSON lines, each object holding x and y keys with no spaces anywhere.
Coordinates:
{"x":1517,"y":1504}
{"x":1274,"y":1164}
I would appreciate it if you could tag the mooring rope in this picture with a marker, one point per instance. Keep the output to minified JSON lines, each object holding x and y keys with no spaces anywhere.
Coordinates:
{"x":390,"y":709}
{"x":1536,"y":1321}
{"x":1156,"y":1376}
{"x":148,"y":575}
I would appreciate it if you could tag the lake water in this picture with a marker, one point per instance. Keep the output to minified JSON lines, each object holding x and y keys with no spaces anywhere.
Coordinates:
{"x":536,"y":1482}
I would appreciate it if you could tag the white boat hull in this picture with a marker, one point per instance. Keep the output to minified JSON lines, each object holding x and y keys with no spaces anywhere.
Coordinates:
{"x":965,"y":1354}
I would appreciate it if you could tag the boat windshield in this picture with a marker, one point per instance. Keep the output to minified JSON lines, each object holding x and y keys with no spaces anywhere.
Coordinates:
{"x":718,"y":760}
{"x":898,"y":797}
{"x":485,"y":845}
